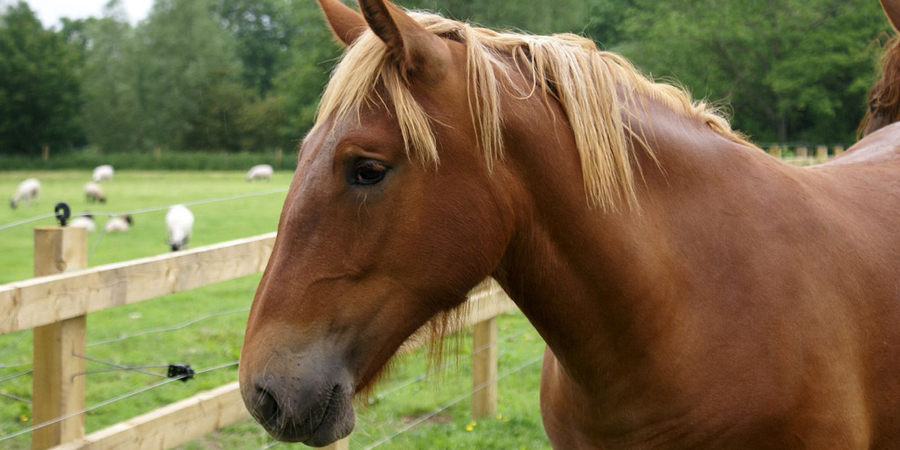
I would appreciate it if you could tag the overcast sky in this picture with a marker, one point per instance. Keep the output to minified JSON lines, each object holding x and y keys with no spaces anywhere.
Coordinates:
{"x":50,"y":11}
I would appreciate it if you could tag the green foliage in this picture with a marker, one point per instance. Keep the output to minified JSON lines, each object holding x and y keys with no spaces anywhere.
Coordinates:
{"x":790,"y":69}
{"x":246,"y":75}
{"x":87,"y":159}
{"x":263,"y":31}
{"x":39,"y":85}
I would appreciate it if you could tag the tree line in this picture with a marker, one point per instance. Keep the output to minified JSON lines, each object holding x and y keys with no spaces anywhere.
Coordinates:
{"x":245,"y":75}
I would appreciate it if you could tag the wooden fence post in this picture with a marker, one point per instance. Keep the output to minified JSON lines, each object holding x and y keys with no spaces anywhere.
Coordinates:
{"x":821,"y":152}
{"x":801,"y":152}
{"x":45,"y":153}
{"x":279,"y":157}
{"x":838,"y":149}
{"x":775,"y":151}
{"x":484,"y":368}
{"x":55,"y":391}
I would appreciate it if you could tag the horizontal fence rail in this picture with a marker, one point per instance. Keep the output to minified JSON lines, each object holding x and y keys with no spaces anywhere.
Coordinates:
{"x":50,"y":299}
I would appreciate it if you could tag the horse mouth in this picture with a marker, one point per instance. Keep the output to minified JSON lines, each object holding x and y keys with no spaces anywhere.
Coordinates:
{"x":335,"y":421}
{"x":329,"y":408}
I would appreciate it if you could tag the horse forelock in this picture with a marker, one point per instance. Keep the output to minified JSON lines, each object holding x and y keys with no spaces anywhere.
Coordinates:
{"x":565,"y":67}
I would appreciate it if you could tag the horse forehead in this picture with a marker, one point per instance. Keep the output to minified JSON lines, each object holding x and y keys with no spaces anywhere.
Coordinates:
{"x":374,"y":126}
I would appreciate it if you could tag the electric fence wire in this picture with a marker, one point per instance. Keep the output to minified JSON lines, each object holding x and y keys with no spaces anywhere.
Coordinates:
{"x":452,"y":402}
{"x":16,"y":397}
{"x":150,"y":209}
{"x":165,"y":208}
{"x":170,"y":327}
{"x":24,"y":221}
{"x":112,"y":400}
{"x":394,"y":389}
{"x":9,"y":348}
{"x":15,"y":375}
{"x":127,"y":336}
{"x":117,"y":367}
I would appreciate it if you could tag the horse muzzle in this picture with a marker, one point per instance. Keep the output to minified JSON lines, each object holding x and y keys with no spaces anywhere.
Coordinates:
{"x":312,"y":403}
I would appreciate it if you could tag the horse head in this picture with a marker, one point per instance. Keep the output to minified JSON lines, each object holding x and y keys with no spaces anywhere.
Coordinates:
{"x":378,"y":233}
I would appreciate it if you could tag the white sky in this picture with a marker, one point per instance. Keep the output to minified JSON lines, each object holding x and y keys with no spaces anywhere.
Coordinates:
{"x":50,"y":11}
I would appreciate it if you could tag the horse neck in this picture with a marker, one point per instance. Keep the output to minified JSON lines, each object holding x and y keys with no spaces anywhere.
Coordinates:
{"x":599,"y":286}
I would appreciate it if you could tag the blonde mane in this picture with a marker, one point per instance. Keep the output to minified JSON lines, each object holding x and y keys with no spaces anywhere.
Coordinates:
{"x":565,"y":66}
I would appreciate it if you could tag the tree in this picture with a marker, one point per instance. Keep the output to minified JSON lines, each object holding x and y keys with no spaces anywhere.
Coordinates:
{"x":113,"y":111}
{"x":262,"y":31}
{"x":39,"y":86}
{"x":791,"y":69}
{"x":188,"y":77}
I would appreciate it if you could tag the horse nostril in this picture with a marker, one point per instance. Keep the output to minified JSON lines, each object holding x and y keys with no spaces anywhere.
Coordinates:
{"x":266,"y":409}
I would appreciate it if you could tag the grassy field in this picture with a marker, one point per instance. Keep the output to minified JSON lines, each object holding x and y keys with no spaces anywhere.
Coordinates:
{"x":209,"y":326}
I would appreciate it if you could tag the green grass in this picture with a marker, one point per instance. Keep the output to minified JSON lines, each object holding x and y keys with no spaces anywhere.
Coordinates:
{"x":217,"y":339}
{"x":214,"y":222}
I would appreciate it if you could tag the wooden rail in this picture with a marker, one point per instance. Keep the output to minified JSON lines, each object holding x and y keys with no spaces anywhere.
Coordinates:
{"x":801,"y":153}
{"x":56,"y":305}
{"x":51,"y":299}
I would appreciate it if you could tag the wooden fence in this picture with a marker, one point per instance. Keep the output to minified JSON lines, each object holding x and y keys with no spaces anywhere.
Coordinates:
{"x":56,"y":302}
{"x":802,"y":155}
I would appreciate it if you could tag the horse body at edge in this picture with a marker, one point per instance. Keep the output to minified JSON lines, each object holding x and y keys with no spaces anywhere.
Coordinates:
{"x":694,"y":292}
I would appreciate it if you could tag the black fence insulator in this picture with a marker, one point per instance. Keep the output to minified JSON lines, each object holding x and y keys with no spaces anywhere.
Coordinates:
{"x":63,"y":212}
{"x":181,"y":370}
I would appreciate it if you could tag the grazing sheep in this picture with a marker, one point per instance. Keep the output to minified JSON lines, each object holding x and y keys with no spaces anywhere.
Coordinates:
{"x":28,"y":191}
{"x":118,"y":224}
{"x":180,"y":222}
{"x":86,"y":221}
{"x":259,"y":172}
{"x":103,"y":173}
{"x":94,"y":193}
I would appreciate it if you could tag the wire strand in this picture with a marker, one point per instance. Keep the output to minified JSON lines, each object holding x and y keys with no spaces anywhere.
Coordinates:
{"x":10,"y":347}
{"x":16,"y":375}
{"x":15,"y":397}
{"x":24,"y":221}
{"x":110,"y":401}
{"x":116,"y":366}
{"x":452,"y":402}
{"x":199,"y":202}
{"x":146,"y":210}
{"x":169,"y":328}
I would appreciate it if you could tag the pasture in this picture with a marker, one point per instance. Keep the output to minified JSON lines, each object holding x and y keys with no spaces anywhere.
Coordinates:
{"x":204,"y":327}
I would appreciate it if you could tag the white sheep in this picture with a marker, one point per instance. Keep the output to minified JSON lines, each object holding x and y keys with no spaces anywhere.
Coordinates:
{"x":86,"y":221}
{"x":180,"y":222}
{"x":94,"y":193}
{"x":28,"y":191}
{"x":103,"y":173}
{"x":260,"y":172}
{"x":118,"y":224}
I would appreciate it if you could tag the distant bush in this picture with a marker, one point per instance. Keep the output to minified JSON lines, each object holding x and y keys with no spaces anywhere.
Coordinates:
{"x":88,"y":159}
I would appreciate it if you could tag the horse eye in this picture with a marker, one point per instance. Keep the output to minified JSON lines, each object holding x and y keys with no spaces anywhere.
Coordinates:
{"x":369,"y":172}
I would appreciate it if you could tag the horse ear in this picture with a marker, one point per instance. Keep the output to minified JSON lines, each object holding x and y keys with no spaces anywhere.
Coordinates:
{"x":418,"y":51}
{"x":892,"y":10}
{"x":345,"y":23}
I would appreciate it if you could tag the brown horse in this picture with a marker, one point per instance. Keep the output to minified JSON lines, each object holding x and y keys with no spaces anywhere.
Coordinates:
{"x":884,"y":97}
{"x":694,"y":292}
